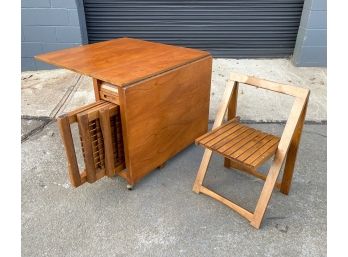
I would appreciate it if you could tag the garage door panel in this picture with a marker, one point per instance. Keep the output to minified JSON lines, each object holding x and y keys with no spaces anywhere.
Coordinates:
{"x":249,"y":28}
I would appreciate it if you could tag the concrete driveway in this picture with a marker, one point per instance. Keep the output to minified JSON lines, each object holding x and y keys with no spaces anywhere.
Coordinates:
{"x":162,"y":216}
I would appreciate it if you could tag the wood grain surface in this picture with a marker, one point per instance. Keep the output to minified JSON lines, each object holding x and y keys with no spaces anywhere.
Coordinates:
{"x":122,"y":61}
{"x":164,"y":115}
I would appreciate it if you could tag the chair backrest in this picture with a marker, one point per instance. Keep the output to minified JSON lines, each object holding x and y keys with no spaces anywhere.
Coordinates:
{"x":270,"y":85}
{"x":298,"y":109}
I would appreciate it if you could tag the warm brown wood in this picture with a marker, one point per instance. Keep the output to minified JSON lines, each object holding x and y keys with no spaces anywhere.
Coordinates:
{"x":122,"y":61}
{"x":240,"y":142}
{"x":109,"y":93}
{"x":243,"y":212}
{"x":97,"y":123}
{"x":247,"y":148}
{"x":93,"y":113}
{"x":163,"y":115}
{"x":202,"y":170}
{"x":73,"y":114}
{"x":162,"y":165}
{"x":119,"y":146}
{"x":214,"y":130}
{"x":269,"y":85}
{"x":125,"y":135}
{"x":109,"y":97}
{"x":207,"y":153}
{"x":249,"y":170}
{"x":107,"y":87}
{"x":237,"y":137}
{"x":279,"y":158}
{"x":237,"y":131}
{"x":232,"y":107}
{"x":99,"y":174}
{"x":216,"y":133}
{"x":87,"y":147}
{"x":231,"y":113}
{"x":163,"y":93}
{"x":255,"y":142}
{"x":263,"y":152}
{"x":65,"y":132}
{"x":96,"y":88}
{"x":292,"y":153}
{"x":214,"y":140}
{"x":119,"y":170}
{"x":104,"y":116}
{"x":252,"y":150}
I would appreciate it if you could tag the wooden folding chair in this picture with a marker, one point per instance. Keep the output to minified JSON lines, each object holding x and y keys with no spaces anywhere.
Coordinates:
{"x":246,"y":149}
{"x":101,"y":142}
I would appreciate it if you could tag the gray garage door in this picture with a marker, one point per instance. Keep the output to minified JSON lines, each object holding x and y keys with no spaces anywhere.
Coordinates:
{"x":230,"y":28}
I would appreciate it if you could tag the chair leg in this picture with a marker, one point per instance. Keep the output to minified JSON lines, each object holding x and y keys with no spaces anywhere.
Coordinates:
{"x":267,"y":190}
{"x":292,"y":154}
{"x":289,"y":168}
{"x":294,"y":122}
{"x":231,"y":85}
{"x":202,"y":170}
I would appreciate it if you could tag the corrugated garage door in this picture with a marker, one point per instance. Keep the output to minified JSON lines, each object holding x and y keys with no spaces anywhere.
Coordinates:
{"x":230,"y":28}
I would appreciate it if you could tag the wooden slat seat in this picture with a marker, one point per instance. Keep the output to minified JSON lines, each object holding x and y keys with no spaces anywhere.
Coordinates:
{"x":240,"y":143}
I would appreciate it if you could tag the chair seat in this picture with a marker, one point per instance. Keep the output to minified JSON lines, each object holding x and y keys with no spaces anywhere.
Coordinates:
{"x":240,"y":143}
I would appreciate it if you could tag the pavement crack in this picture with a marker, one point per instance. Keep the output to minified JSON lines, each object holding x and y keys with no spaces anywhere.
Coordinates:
{"x":46,"y":121}
{"x":65,"y":97}
{"x":40,"y":118}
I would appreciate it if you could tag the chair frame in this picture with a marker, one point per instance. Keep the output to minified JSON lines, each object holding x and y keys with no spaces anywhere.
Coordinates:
{"x":286,"y":151}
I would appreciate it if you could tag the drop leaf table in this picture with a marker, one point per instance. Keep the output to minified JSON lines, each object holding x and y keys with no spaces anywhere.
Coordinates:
{"x":151,"y":102}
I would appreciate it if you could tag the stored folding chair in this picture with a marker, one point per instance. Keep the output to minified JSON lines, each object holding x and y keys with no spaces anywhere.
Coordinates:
{"x":246,"y":149}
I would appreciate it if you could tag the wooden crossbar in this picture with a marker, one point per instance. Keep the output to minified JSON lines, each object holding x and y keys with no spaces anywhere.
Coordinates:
{"x":270,"y":85}
{"x":243,"y":212}
{"x":251,"y":171}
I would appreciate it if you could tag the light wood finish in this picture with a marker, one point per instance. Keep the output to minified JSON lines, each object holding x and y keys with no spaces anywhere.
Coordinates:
{"x":109,"y":93}
{"x":243,"y":212}
{"x":251,"y":171}
{"x":247,"y":148}
{"x":231,"y":113}
{"x":280,"y":155}
{"x":122,"y":61}
{"x":100,"y":146}
{"x":218,"y":121}
{"x":163,"y":93}
{"x":269,"y":85}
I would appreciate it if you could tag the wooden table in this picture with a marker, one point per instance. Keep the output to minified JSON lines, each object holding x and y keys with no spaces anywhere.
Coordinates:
{"x":162,"y":91}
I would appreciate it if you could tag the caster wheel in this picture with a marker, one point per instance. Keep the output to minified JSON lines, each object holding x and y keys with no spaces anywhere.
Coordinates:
{"x":129,"y":187}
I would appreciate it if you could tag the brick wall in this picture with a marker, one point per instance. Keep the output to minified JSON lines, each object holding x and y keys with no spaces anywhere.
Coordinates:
{"x":311,"y":44}
{"x":47,"y":25}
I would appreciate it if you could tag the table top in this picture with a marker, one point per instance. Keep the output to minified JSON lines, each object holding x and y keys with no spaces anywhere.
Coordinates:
{"x":122,"y":61}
